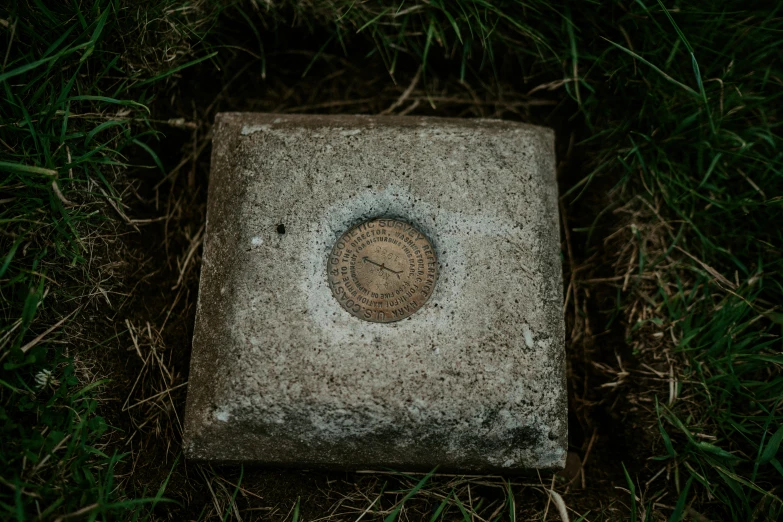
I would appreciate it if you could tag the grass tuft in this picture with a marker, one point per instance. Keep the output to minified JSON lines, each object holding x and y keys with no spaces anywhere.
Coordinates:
{"x":68,"y":126}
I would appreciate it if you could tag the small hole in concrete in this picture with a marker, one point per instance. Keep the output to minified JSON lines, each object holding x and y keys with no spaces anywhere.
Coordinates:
{"x":281,"y":229}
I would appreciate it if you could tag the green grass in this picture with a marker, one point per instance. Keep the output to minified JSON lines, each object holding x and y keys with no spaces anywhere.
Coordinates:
{"x":67,"y":121}
{"x":678,"y":110}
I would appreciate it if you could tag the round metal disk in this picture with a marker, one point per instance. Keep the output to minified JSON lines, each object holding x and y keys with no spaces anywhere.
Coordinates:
{"x":382,"y":270}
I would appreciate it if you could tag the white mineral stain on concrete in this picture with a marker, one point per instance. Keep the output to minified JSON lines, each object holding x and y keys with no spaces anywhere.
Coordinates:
{"x":349,"y":133}
{"x":247,"y":130}
{"x":528,"y":336}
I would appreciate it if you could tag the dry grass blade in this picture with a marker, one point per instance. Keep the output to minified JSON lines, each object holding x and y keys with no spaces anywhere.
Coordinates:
{"x":559,"y":504}
{"x":49,"y":330}
{"x":406,"y":93}
{"x":194,"y":244}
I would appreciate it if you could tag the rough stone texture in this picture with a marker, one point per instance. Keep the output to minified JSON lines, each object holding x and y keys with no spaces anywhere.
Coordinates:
{"x":282,"y":375}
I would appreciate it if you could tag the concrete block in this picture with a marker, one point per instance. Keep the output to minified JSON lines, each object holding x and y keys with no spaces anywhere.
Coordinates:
{"x":282,"y":374}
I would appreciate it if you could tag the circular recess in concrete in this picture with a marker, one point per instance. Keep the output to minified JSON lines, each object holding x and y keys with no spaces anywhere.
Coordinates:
{"x":382,"y":270}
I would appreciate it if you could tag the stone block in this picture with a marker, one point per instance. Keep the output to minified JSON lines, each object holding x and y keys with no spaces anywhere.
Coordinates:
{"x":282,"y":374}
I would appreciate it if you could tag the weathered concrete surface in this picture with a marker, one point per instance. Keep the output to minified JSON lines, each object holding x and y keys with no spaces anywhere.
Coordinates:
{"x":282,"y":375}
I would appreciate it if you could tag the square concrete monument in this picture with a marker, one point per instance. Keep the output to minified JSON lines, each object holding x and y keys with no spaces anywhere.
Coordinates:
{"x":380,"y":292}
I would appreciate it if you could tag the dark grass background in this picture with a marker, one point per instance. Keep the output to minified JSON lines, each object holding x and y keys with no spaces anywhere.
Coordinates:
{"x":670,"y":174}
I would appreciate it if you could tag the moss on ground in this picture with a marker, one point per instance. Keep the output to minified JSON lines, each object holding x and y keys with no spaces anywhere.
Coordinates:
{"x":667,"y":119}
